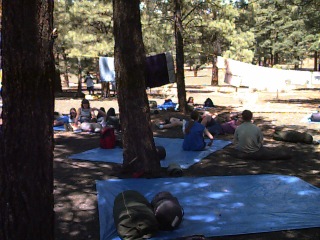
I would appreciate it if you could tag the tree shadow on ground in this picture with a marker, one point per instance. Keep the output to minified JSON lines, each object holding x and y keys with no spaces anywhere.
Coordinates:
{"x":76,"y":210}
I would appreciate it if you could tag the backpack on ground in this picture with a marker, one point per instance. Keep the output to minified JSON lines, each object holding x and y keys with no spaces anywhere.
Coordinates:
{"x":107,"y":138}
{"x":208,"y":103}
{"x":133,"y":216}
{"x":315,"y":117}
{"x":167,"y":210}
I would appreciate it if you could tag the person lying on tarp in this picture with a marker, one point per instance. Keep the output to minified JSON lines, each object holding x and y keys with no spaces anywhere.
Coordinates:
{"x":194,"y":134}
{"x":248,"y":141}
{"x":170,"y":123}
{"x":218,"y":125}
{"x":65,"y":119}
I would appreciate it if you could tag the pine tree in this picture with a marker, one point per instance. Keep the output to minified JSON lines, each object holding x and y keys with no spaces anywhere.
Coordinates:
{"x":26,"y":149}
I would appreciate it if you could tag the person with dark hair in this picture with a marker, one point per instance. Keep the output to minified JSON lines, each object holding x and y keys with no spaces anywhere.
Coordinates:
{"x":194,"y":134}
{"x":208,"y":103}
{"x":88,"y":79}
{"x":190,"y":103}
{"x":110,"y":117}
{"x":65,"y":118}
{"x":248,"y":137}
{"x":101,"y":114}
{"x":248,"y":140}
{"x":86,"y":118}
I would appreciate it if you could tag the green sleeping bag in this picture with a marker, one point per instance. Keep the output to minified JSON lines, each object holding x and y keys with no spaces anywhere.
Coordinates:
{"x":133,"y":216}
{"x":293,"y":136}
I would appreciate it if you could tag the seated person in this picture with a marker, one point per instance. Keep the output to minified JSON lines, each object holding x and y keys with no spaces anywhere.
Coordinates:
{"x":71,"y":118}
{"x":86,"y":119}
{"x":101,"y":115}
{"x":190,"y":103}
{"x":248,"y":140}
{"x":194,"y":134}
{"x":72,"y":115}
{"x":109,"y":118}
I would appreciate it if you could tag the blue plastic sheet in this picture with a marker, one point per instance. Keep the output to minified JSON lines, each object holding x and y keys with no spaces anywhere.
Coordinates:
{"x":174,"y":153}
{"x":222,"y":205}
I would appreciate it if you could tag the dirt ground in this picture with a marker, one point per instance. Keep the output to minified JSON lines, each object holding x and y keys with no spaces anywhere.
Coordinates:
{"x":74,"y":181}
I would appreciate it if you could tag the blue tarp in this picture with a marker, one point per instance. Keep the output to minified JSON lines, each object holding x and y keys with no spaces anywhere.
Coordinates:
{"x":222,"y":205}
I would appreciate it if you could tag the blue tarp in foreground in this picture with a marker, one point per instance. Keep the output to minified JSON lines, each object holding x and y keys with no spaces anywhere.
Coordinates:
{"x":222,"y":205}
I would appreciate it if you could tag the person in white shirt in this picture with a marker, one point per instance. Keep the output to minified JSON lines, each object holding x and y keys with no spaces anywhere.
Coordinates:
{"x":90,"y":84}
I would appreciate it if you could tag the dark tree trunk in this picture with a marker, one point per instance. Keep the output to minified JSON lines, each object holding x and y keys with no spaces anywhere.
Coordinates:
{"x":216,"y":53}
{"x":79,"y":77}
{"x":181,"y":87}
{"x":66,"y":69}
{"x":276,"y":58}
{"x":139,"y":152}
{"x":57,"y":79}
{"x":315,"y":68}
{"x":26,"y":144}
{"x":271,"y":59}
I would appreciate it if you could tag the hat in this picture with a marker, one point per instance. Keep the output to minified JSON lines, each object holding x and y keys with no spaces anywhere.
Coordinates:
{"x":85,"y":101}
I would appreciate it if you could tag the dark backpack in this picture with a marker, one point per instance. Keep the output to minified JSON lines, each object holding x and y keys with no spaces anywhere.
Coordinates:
{"x":315,"y":117}
{"x":133,"y":216}
{"x":167,"y":210}
{"x":107,"y":138}
{"x":208,"y":103}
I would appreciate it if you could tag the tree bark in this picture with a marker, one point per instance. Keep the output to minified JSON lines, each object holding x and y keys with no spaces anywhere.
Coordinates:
{"x":66,"y":69}
{"x":181,"y":87}
{"x":26,"y":144}
{"x":79,"y":92}
{"x":315,"y":61}
{"x":214,"y":76}
{"x":139,"y":151}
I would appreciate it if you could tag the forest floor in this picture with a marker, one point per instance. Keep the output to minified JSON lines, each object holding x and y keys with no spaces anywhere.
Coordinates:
{"x":76,"y":211}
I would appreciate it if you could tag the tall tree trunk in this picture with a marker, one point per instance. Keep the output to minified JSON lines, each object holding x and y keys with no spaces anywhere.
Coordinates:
{"x":315,"y":68}
{"x":216,"y":53}
{"x":214,"y":76}
{"x":26,"y":144}
{"x":181,"y":87}
{"x":139,"y":151}
{"x":66,"y":69}
{"x":79,"y":93}
{"x":57,"y":79}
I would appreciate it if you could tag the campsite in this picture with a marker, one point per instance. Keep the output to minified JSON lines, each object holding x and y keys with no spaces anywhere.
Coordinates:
{"x":245,"y":165}
{"x":76,"y":206}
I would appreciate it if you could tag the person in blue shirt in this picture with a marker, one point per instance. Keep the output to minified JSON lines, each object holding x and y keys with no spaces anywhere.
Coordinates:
{"x":194,"y":134}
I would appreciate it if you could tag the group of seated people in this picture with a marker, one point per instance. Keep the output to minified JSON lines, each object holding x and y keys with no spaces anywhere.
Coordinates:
{"x":248,"y":138}
{"x":86,"y":120}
